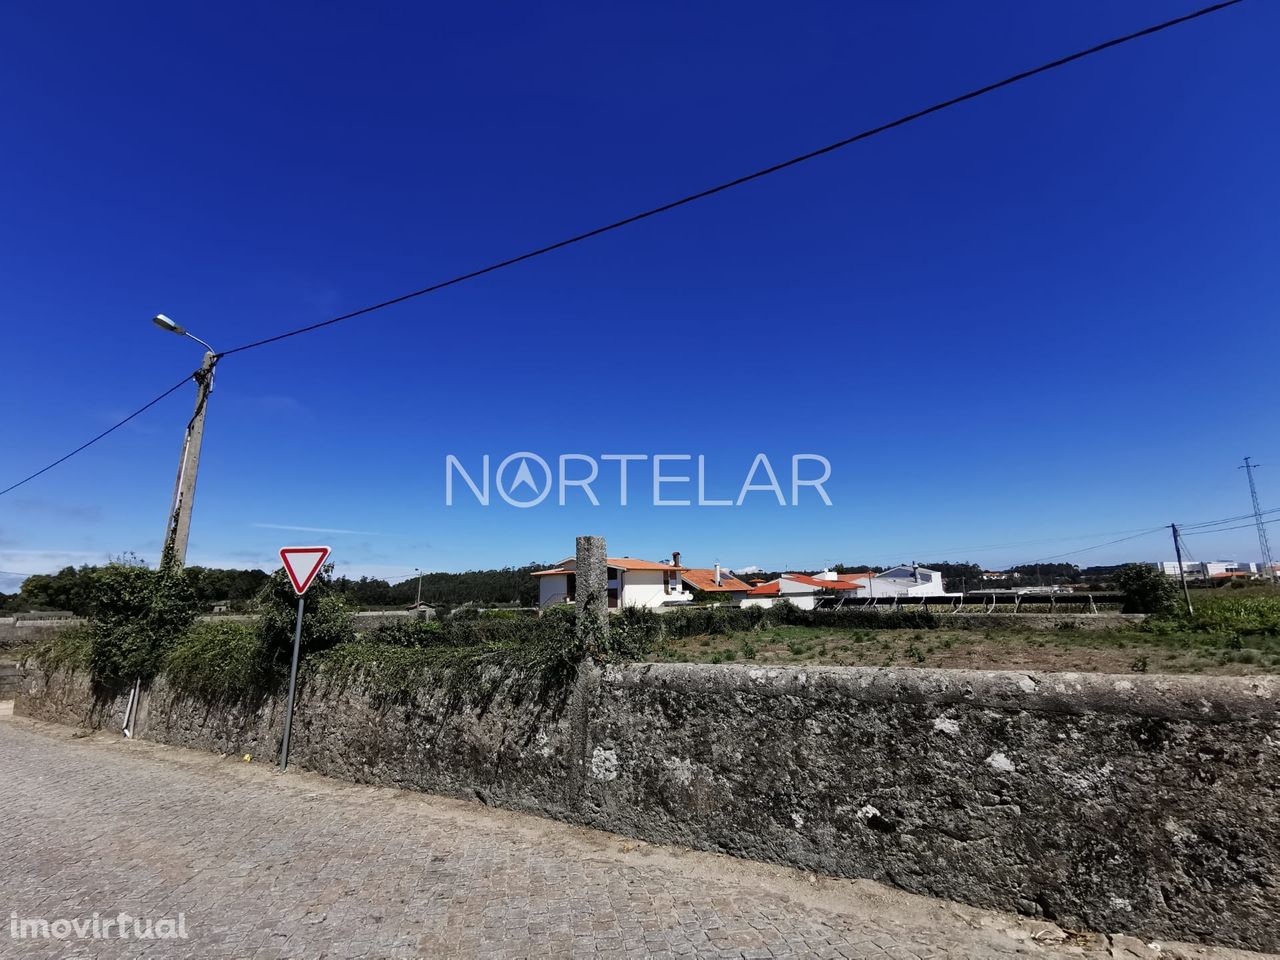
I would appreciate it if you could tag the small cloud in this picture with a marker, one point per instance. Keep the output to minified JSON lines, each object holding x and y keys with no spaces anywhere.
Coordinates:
{"x":81,"y":513}
{"x":752,"y":569}
{"x":285,"y":526}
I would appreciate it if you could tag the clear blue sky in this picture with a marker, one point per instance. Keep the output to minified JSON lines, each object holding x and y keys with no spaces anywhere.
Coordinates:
{"x":1047,"y":314}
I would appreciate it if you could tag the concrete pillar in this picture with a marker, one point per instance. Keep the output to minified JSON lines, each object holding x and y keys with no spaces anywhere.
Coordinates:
{"x":592,"y":596}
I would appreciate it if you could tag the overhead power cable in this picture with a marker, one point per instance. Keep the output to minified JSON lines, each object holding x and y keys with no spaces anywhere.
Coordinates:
{"x":1242,"y":526}
{"x":746,"y":178}
{"x":672,"y":205}
{"x":1096,"y":546}
{"x":1214,"y":523}
{"x":88,"y":443}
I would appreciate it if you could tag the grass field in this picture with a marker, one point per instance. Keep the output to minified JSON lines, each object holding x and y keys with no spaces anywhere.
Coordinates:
{"x":1107,"y":651}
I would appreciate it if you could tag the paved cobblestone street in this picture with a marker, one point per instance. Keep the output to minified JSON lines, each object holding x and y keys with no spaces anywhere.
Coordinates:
{"x":267,"y":866}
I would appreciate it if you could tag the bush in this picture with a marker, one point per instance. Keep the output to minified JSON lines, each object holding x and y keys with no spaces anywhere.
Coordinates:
{"x":1146,"y":589}
{"x":219,"y":660}
{"x":545,"y":649}
{"x":1249,"y":616}
{"x":326,"y":621}
{"x":67,"y":649}
{"x":404,"y":632}
{"x":135,"y":615}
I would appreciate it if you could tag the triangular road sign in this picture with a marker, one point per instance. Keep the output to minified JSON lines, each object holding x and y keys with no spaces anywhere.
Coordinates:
{"x":302,"y":564}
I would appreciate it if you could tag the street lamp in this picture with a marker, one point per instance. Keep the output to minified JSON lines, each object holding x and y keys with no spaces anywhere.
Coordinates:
{"x":164,"y":323}
{"x":418,"y":603}
{"x":178,"y":528}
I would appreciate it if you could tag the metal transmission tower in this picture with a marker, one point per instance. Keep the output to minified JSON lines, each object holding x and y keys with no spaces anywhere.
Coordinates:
{"x":1268,"y":566}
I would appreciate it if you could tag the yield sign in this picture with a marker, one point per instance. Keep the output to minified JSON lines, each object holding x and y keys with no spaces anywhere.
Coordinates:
{"x":302,"y":564}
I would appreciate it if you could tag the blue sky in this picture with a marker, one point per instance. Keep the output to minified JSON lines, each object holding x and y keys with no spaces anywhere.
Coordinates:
{"x":1039,"y":318}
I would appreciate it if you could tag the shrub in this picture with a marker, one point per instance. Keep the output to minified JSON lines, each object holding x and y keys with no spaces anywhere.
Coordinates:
{"x":67,"y":649}
{"x":544,"y":649}
{"x":1146,"y":589}
{"x":219,"y":660}
{"x":135,"y":615}
{"x":405,"y":632}
{"x":326,"y":621}
{"x":1250,"y":615}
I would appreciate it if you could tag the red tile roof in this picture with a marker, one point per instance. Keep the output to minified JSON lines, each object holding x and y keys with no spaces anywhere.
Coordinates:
{"x":824,"y":584}
{"x":705,"y":580}
{"x":619,"y":563}
{"x":765,"y":590}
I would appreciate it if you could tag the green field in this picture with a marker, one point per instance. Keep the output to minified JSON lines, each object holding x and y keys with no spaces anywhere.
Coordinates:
{"x":1230,"y":633}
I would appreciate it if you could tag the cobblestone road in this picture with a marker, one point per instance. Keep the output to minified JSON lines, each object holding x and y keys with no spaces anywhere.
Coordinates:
{"x":261,"y":865}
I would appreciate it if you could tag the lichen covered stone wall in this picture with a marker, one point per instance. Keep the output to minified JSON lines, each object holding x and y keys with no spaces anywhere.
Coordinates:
{"x":1141,"y":804}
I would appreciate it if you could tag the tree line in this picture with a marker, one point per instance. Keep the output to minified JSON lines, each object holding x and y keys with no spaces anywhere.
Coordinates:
{"x":71,"y":589}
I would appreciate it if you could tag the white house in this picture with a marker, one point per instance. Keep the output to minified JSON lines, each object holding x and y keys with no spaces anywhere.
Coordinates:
{"x":632,"y":583}
{"x":906,"y":581}
{"x":803,"y":590}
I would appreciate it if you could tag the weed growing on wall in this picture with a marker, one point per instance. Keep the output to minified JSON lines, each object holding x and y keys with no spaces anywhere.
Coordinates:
{"x":472,"y":654}
{"x":135,"y":615}
{"x":66,"y":650}
{"x":220,"y":660}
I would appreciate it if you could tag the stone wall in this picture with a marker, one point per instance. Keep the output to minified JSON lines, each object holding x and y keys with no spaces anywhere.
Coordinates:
{"x":24,"y":630}
{"x":1140,"y":804}
{"x":12,"y":677}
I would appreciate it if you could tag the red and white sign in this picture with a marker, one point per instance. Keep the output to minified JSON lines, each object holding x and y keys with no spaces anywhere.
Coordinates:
{"x":302,"y":564}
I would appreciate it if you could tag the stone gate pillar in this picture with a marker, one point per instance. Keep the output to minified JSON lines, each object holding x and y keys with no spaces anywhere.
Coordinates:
{"x":592,"y":596}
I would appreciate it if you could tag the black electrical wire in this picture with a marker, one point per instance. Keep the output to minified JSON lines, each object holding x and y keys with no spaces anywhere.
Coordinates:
{"x":738,"y":181}
{"x":111,"y":429}
{"x":691,"y":198}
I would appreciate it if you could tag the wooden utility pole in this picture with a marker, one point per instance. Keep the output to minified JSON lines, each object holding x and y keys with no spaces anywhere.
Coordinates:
{"x":1177,"y":552}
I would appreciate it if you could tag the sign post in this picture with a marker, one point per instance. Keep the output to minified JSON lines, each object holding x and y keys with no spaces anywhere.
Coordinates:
{"x":301,"y":564}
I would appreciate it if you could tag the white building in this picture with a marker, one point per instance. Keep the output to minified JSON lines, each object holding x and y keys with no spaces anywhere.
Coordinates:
{"x":1204,"y":570}
{"x":907,"y":581}
{"x":803,"y":590}
{"x":632,"y":583}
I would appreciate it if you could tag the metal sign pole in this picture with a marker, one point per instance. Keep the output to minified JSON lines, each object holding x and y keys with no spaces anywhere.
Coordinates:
{"x":293,"y":682}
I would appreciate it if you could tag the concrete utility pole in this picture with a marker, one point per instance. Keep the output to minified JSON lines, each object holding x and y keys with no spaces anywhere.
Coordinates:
{"x":417,"y":603}
{"x":173,"y":555}
{"x":1177,"y":552}
{"x":184,"y":488}
{"x":1268,"y":565}
{"x":178,"y":529}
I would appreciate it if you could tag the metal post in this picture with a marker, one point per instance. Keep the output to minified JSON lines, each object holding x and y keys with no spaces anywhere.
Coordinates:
{"x":418,"y":603}
{"x":1268,"y":565}
{"x":293,"y":683}
{"x":1177,"y":552}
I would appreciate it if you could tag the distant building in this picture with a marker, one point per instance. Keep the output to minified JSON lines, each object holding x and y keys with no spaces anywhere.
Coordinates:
{"x":802,"y":590}
{"x":1208,"y":569}
{"x":907,"y":581}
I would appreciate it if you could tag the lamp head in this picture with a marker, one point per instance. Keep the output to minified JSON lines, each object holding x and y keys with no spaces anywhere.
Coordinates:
{"x":164,"y":323}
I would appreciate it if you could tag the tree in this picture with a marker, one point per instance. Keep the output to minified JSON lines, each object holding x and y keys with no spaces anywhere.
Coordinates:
{"x":1146,"y":589}
{"x":958,"y":576}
